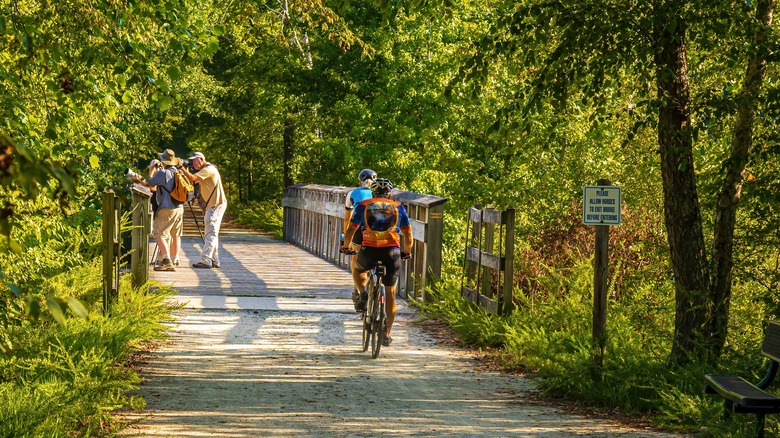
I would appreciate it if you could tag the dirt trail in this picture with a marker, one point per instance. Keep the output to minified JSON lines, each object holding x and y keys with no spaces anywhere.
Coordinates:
{"x":281,"y":374}
{"x":287,"y":366}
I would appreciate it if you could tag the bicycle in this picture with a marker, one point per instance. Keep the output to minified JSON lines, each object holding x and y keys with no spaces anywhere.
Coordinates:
{"x":374,"y":316}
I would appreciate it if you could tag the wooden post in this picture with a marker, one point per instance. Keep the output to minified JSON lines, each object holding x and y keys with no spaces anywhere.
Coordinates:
{"x":433,"y":248}
{"x":600,"y":284}
{"x":110,"y":250}
{"x":476,"y":222}
{"x":139,"y":259}
{"x":487,"y":246}
{"x":506,"y":304}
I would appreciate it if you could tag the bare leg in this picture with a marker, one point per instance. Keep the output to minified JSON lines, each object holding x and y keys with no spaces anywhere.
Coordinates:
{"x":163,"y":245}
{"x":354,"y":269}
{"x":390,"y":307}
{"x":360,"y":279}
{"x":175,"y":245}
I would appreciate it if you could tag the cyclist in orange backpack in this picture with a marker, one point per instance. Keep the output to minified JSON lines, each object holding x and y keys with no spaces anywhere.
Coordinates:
{"x":383,"y":221}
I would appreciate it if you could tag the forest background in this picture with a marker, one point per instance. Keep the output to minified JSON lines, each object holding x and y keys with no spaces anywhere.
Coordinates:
{"x":498,"y":102}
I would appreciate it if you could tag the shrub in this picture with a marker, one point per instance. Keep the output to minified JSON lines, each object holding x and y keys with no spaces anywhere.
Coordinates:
{"x":66,"y":379}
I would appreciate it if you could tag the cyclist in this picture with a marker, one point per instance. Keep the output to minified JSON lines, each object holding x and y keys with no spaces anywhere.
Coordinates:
{"x":365,"y":178}
{"x":382,"y":220}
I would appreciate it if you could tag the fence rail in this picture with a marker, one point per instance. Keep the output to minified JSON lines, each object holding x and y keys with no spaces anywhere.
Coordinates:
{"x":489,"y":259}
{"x":314,"y":216}
{"x":112,"y":238}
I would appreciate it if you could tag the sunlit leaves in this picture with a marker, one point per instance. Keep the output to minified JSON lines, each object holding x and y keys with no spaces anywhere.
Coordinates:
{"x":56,"y":307}
{"x":77,"y":307}
{"x":174,"y":72}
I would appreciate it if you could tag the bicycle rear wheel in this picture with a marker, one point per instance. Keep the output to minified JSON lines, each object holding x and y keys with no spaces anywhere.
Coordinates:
{"x":377,"y":322}
{"x":366,"y":331}
{"x":366,"y":315}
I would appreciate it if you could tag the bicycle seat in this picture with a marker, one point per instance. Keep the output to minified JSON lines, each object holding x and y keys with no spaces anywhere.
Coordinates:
{"x":381,"y":270}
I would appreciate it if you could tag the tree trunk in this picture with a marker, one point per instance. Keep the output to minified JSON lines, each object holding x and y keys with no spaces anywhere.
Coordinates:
{"x":238,"y":178}
{"x":289,"y":143}
{"x":681,"y":202}
{"x":251,"y":185}
{"x":731,"y":190}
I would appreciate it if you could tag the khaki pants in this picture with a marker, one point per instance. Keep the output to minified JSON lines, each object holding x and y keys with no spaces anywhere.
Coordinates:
{"x":211,"y":223}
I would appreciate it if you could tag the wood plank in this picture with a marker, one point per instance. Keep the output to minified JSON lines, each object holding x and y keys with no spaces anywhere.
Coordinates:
{"x":257,"y":265}
{"x":491,"y":216}
{"x":419,"y":230}
{"x":488,"y":260}
{"x":469,"y":294}
{"x":488,"y":304}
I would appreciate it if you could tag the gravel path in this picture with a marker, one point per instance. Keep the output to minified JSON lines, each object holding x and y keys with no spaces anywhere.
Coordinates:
{"x":265,"y":349}
{"x":261,"y":373}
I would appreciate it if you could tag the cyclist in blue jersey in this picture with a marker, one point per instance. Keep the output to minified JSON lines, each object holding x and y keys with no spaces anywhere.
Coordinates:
{"x":382,"y":222}
{"x":365,"y":178}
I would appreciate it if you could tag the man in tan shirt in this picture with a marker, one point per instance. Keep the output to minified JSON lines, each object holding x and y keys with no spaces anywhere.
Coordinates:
{"x":213,"y":194}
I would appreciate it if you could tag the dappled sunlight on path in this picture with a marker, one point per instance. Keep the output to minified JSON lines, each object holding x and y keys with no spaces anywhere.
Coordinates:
{"x":268,"y":346}
{"x":271,"y":373}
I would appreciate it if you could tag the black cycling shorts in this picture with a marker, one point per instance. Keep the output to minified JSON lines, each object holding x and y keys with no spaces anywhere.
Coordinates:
{"x":390,"y":257}
{"x":357,"y":238}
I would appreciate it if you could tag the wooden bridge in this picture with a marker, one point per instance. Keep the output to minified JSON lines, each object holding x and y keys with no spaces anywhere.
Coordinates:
{"x":257,"y":272}
{"x":305,"y":270}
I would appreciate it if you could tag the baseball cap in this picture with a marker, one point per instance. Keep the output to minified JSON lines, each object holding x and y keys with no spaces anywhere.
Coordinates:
{"x":196,"y":155}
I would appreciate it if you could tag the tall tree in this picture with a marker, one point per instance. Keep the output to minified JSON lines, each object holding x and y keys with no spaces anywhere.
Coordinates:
{"x":581,"y":49}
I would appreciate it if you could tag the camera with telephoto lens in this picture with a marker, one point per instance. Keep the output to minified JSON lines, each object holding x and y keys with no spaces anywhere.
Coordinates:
{"x":132,"y":175}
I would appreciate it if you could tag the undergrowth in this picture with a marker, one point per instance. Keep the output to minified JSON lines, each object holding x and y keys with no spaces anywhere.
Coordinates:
{"x":66,"y":379}
{"x":551,"y":339}
{"x":264,"y":215}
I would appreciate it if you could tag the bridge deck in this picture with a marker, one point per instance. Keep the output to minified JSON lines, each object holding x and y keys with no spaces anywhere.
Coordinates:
{"x":258,"y":272}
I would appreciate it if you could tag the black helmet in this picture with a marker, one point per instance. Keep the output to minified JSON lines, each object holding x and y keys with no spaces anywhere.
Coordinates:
{"x":382,"y":187}
{"x":367,"y":174}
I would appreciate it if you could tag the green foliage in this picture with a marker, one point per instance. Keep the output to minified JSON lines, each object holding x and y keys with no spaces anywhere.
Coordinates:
{"x":267,"y":216}
{"x":501,"y":103}
{"x":51,"y":244}
{"x":61,"y":379}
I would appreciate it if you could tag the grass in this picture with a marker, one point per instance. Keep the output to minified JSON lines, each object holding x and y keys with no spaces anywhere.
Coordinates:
{"x":264,"y":215}
{"x":67,"y":379}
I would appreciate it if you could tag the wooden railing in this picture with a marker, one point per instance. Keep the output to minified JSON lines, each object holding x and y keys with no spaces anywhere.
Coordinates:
{"x":142,"y":228}
{"x":139,"y":257}
{"x":313,"y":220}
{"x":112,"y":208}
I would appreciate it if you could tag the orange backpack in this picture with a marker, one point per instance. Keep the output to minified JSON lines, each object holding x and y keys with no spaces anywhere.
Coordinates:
{"x":183,"y":191}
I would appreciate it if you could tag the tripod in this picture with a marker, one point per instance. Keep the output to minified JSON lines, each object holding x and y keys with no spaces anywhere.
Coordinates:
{"x":195,"y":218}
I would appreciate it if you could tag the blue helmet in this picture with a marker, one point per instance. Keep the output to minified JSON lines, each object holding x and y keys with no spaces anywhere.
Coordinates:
{"x":367,"y":174}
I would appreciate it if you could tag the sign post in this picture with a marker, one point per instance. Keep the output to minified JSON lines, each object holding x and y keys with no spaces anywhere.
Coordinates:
{"x":601,"y":207}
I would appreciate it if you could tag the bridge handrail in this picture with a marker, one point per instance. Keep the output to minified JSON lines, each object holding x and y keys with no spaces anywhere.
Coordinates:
{"x":314,"y":216}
